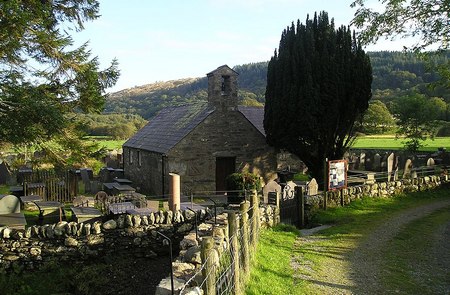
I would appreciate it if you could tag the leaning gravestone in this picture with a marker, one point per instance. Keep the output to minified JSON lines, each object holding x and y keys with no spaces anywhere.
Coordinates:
{"x":430,"y":162}
{"x":390,"y":166}
{"x":376,"y":162}
{"x":313,"y":187}
{"x":408,"y":168}
{"x":9,"y":204}
{"x":396,"y":174}
{"x":271,"y":186}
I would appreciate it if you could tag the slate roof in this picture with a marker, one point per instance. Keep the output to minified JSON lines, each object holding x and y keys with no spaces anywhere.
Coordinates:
{"x":169,"y":127}
{"x":172,"y":124}
{"x":255,"y":115}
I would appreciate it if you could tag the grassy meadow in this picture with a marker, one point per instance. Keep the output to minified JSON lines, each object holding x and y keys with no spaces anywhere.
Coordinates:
{"x":390,"y":142}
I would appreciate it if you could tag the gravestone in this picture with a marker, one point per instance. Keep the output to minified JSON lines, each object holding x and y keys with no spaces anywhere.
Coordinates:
{"x":362,"y":161}
{"x":396,"y":174}
{"x":383,"y":164}
{"x":408,"y":168}
{"x":390,"y":166}
{"x":353,"y":164}
{"x":86,"y":180}
{"x":10,"y":214}
{"x":9,"y":204}
{"x":376,"y":163}
{"x":289,"y":190}
{"x":368,"y":162}
{"x":271,"y":186}
{"x":5,"y":174}
{"x":356,"y":163}
{"x":312,"y":187}
{"x":430,"y":162}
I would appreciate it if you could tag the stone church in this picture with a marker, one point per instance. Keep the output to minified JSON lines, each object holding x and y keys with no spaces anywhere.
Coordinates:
{"x":202,"y":142}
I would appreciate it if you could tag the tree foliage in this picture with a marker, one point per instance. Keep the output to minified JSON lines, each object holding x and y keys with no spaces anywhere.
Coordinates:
{"x":318,"y":85}
{"x":118,"y":126}
{"x":416,"y":118}
{"x":377,"y":119}
{"x":426,"y":20}
{"x":42,"y":75}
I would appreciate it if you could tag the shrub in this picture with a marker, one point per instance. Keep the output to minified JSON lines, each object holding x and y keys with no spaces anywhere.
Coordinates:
{"x":243,"y":181}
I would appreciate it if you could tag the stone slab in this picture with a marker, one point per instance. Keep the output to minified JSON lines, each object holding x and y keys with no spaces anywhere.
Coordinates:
{"x":195,"y":207}
{"x":13,"y":220}
{"x":140,"y":211}
{"x":83,"y":214}
{"x":119,"y":208}
{"x":122,"y":181}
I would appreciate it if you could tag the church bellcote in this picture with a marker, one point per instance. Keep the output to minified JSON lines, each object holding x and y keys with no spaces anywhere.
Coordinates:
{"x":222,"y":88}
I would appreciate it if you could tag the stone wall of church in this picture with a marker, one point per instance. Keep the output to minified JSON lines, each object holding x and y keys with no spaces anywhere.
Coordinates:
{"x":222,"y":134}
{"x":149,"y":174}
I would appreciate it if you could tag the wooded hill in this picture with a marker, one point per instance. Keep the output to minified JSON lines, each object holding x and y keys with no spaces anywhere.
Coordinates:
{"x":395,"y":74}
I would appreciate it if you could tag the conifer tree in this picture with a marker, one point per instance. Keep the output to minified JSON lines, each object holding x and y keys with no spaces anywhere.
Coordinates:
{"x":43,"y":76}
{"x":318,"y":85}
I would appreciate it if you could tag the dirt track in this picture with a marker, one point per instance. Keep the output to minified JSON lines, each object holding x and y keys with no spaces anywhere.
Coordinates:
{"x":353,"y":264}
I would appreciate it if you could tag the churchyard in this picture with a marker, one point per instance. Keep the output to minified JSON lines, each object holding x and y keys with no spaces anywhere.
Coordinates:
{"x":86,"y":222}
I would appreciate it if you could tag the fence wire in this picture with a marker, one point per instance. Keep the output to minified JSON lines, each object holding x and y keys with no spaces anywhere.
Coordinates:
{"x":225,"y":281}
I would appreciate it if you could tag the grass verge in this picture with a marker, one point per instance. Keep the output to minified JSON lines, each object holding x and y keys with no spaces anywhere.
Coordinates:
{"x":271,"y":272}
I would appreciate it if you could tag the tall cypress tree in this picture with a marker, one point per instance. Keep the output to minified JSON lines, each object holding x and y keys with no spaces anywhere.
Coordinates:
{"x":318,"y":85}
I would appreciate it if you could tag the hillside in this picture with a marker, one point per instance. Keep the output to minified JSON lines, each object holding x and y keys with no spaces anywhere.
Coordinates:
{"x":395,"y":74}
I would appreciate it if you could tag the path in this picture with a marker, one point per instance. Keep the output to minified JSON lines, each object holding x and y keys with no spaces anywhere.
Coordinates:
{"x":352,"y":266}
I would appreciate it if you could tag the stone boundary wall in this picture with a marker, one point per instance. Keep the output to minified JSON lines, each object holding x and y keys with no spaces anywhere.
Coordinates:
{"x":74,"y":242}
{"x":376,"y":190}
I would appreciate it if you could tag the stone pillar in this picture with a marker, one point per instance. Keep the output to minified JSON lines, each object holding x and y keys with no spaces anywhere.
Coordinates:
{"x":174,"y":192}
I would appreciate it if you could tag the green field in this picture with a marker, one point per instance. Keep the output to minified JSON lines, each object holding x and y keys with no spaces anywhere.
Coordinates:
{"x":107,"y":142}
{"x":366,"y":142}
{"x":389,"y":142}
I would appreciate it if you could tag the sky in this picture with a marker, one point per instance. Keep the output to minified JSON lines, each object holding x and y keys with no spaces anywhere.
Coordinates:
{"x":161,"y":40}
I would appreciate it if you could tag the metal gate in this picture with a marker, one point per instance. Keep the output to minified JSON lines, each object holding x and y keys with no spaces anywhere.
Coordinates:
{"x":289,"y":208}
{"x":290,"y":204}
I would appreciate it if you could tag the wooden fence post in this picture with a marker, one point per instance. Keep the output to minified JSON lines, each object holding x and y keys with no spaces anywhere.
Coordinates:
{"x":244,"y":232}
{"x":300,"y":206}
{"x":233,"y":225}
{"x":254,"y":204}
{"x":209,"y":271}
